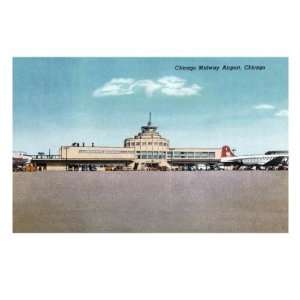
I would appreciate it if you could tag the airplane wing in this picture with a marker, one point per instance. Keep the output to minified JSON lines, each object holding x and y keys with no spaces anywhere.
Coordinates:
{"x":275,"y":161}
{"x":231,"y":160}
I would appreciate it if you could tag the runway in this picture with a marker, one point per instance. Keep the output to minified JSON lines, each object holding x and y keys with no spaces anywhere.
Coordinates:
{"x":207,"y":202}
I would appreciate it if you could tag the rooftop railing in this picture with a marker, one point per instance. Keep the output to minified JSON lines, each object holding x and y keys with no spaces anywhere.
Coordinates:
{"x":45,"y":156}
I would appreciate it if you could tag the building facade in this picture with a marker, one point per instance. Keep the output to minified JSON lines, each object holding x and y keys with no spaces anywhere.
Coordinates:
{"x":144,"y":151}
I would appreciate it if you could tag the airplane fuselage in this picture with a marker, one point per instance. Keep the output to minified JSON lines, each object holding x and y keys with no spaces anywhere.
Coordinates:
{"x":254,"y":160}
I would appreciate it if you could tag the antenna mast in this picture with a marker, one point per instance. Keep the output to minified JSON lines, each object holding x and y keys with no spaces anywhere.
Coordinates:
{"x":149,"y":123}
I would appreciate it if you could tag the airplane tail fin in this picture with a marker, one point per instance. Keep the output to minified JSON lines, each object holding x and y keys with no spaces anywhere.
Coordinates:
{"x":226,"y":152}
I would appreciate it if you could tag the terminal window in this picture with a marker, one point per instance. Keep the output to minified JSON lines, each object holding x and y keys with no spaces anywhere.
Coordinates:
{"x":179,"y":154}
{"x":201,"y":154}
{"x":151,"y":155}
{"x":211,"y":154}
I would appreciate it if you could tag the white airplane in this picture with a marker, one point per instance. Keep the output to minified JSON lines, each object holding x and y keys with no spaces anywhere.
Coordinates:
{"x":269,"y":159}
{"x":20,"y":159}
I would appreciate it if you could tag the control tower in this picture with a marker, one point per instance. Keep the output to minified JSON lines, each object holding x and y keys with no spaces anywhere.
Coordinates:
{"x":149,"y":146}
{"x":149,"y":139}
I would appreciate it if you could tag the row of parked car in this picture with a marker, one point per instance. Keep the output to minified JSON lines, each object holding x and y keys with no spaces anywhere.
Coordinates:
{"x":93,"y":167}
{"x":199,"y":167}
{"x":82,"y":167}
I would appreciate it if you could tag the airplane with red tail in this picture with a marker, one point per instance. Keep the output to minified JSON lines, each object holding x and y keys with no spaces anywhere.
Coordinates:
{"x":269,"y":159}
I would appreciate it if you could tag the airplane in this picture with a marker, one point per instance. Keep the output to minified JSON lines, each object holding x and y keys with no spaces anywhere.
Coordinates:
{"x":20,"y":159}
{"x":269,"y":160}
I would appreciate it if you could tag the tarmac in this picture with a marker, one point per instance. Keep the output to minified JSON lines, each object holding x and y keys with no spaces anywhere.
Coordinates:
{"x":151,"y":202}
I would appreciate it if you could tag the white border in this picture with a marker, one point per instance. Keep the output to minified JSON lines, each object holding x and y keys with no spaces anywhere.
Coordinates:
{"x":174,"y":266}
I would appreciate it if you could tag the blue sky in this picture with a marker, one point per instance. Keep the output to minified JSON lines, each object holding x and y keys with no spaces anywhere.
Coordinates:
{"x":61,"y":100}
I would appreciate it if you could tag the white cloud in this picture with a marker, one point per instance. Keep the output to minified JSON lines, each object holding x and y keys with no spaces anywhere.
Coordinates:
{"x":115,"y":87}
{"x":264,"y":106}
{"x":149,"y":86}
{"x":282,"y":113}
{"x":168,"y":85}
{"x":175,"y":86}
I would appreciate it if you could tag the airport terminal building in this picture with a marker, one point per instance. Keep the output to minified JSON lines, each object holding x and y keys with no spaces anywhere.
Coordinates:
{"x":145,"y":151}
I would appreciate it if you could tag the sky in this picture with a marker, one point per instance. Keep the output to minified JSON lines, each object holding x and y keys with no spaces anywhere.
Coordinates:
{"x":57,"y":101}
